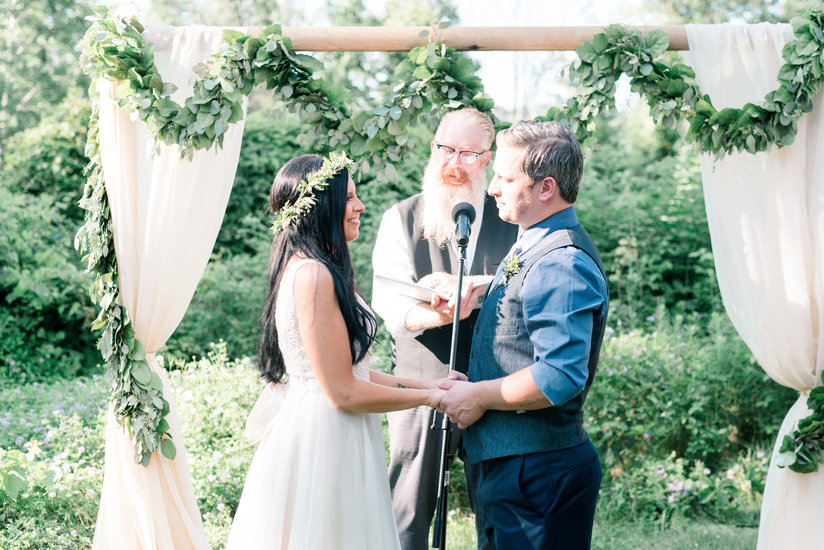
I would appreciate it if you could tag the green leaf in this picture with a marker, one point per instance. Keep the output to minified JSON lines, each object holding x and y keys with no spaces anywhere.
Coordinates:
{"x":586,"y":52}
{"x":162,"y":427}
{"x":137,"y":351}
{"x":14,"y":482}
{"x":422,"y":73}
{"x":309,"y":62}
{"x":463,"y":68}
{"x":231,"y":36}
{"x":657,"y":43}
{"x":141,"y":373}
{"x":272,"y":30}
{"x":704,"y":108}
{"x":167,"y":448}
{"x":600,"y":43}
{"x":604,"y":63}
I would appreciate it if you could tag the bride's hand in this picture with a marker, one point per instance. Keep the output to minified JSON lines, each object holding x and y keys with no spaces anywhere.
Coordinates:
{"x":435,"y":398}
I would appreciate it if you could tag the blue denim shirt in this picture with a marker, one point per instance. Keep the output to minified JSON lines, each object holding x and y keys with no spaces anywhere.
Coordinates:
{"x":558,"y":316}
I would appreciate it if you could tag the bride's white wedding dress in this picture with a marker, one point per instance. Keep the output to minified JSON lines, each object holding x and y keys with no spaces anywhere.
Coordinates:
{"x":318,"y":480}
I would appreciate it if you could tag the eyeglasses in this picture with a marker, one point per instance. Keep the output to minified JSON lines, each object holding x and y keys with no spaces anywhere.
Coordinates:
{"x":467,"y":157}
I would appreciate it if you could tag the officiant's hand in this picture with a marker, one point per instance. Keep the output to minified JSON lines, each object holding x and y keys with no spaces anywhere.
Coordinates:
{"x":440,"y":281}
{"x":468,"y":299}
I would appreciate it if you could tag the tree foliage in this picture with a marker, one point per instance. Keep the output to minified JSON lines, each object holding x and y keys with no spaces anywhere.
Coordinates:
{"x":45,"y":308}
{"x":38,"y":59}
{"x":724,"y":11}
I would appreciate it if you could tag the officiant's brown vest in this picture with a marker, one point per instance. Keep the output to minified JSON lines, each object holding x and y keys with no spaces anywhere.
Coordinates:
{"x":427,"y":356}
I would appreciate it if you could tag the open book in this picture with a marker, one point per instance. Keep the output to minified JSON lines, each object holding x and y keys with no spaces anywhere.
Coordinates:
{"x":420,"y":292}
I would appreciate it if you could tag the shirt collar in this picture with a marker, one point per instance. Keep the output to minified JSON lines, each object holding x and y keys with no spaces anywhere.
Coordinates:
{"x":536,"y":233}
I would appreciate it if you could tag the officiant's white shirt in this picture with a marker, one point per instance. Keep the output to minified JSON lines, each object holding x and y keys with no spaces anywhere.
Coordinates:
{"x":391,"y":258}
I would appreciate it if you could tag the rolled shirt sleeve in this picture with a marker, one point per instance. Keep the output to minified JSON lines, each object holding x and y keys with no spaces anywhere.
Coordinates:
{"x":561,"y":294}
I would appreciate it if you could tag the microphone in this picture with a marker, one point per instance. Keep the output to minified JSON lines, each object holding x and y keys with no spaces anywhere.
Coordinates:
{"x":463,"y":215}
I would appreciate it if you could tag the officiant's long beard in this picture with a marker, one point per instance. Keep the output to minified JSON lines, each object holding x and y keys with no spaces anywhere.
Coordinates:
{"x":439,"y":198}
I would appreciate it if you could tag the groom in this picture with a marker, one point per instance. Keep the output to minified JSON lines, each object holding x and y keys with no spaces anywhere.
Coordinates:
{"x":534,"y":353}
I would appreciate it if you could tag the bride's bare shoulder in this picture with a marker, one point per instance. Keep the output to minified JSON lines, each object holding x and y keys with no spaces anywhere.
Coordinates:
{"x":313,"y":281}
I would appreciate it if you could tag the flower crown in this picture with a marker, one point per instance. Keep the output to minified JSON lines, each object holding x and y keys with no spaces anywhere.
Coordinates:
{"x":307,"y":188}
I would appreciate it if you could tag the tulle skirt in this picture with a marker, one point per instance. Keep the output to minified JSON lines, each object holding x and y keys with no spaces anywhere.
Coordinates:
{"x":317,"y":481}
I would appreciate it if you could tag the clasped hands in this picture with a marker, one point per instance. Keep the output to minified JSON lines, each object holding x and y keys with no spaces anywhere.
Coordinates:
{"x":460,"y":400}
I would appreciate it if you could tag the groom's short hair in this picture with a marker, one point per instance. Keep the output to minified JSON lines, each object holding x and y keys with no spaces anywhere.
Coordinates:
{"x":550,"y":150}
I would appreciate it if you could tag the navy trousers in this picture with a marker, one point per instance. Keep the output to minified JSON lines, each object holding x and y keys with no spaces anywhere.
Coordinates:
{"x":541,"y":501}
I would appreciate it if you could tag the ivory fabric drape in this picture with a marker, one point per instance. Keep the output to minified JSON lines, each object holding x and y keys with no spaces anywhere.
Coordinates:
{"x":766,"y":219}
{"x":166,"y":213}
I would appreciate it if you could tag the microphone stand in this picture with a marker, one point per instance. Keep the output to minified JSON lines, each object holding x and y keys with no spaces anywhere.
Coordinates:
{"x":439,"y":529}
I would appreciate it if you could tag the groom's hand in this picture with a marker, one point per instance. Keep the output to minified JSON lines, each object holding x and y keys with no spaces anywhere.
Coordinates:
{"x":461,"y":403}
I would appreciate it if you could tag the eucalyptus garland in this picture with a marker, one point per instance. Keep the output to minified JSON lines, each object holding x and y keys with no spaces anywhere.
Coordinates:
{"x":137,"y":392}
{"x":803,"y":449}
{"x":672,"y":93}
{"x":432,"y":78}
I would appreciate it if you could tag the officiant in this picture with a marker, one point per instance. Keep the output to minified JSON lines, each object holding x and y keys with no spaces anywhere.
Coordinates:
{"x":416,"y":243}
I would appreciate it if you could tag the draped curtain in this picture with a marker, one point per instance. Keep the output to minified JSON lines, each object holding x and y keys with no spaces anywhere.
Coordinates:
{"x":166,"y":213}
{"x":766,"y":220}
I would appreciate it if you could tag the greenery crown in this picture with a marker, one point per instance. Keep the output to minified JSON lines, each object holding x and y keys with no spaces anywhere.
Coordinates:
{"x":308,"y":187}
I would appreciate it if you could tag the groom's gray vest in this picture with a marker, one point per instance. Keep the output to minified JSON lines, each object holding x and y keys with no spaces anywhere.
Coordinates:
{"x":427,"y":355}
{"x":501,"y":346}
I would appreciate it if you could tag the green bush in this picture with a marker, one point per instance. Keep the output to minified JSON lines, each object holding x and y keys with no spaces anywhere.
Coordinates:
{"x":45,"y":309}
{"x":269,"y":141}
{"x":49,"y":159}
{"x":641,"y":201}
{"x":50,"y":491}
{"x":679,"y":387}
{"x":226,"y":306}
{"x":657,"y":490}
{"x":214,"y":397}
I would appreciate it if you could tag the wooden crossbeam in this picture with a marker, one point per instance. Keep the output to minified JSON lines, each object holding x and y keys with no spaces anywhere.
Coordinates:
{"x":386,"y":39}
{"x":393,"y":39}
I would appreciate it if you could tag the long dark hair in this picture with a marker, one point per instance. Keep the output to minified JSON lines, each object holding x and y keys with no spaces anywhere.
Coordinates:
{"x":316,"y":234}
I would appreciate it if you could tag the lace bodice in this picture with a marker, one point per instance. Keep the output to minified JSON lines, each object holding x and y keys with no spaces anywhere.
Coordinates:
{"x":298,"y":368}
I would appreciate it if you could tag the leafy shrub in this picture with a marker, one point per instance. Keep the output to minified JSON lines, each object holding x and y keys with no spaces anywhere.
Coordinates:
{"x":641,"y":201}
{"x":214,"y":397}
{"x":269,"y":141}
{"x":226,"y":306}
{"x":45,"y":309}
{"x":49,"y":159}
{"x":678,"y":387}
{"x":657,"y":490}
{"x":50,"y":492}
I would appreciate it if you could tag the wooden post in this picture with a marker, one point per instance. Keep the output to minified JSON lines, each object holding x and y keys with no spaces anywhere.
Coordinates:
{"x":389,"y":39}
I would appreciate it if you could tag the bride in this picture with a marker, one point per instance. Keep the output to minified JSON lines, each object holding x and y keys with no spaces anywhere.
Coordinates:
{"x":318,"y":479}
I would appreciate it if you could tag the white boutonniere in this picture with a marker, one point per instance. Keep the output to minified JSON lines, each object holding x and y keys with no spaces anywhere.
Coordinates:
{"x":511,"y":267}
